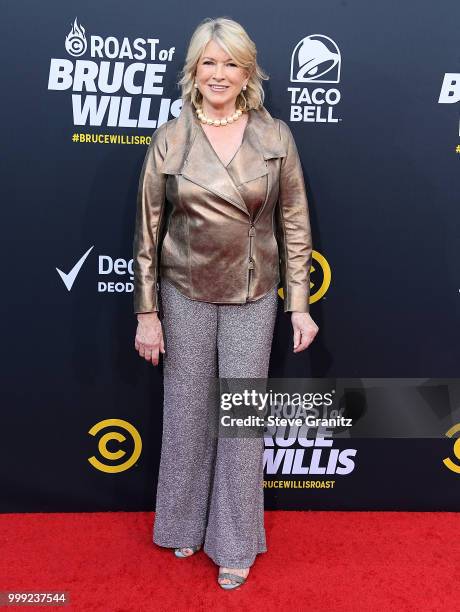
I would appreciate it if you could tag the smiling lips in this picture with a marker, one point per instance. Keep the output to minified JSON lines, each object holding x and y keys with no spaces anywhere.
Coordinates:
{"x":218,"y":87}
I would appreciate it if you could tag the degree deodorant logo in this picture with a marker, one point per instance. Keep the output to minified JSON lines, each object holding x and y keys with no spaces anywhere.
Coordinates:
{"x":321,"y":275}
{"x":127,"y":447}
{"x":454,"y":466}
{"x":113,"y":275}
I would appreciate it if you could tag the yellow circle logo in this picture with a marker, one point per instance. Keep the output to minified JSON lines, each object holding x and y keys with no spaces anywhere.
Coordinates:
{"x":118,"y":454}
{"x":326,"y":278}
{"x":454,"y":467}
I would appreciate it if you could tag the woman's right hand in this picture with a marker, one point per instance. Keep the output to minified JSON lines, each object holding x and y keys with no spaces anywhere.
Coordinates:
{"x":149,"y":337}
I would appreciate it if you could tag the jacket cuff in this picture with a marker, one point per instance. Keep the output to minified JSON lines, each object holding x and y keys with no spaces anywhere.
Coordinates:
{"x":145,"y":300}
{"x":296,"y":299}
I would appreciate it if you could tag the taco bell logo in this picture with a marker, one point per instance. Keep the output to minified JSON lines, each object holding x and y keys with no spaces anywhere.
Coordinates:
{"x":75,"y":42}
{"x":316,"y":59}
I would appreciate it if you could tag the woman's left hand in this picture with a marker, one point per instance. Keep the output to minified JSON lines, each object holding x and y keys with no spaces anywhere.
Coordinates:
{"x":305,"y":330}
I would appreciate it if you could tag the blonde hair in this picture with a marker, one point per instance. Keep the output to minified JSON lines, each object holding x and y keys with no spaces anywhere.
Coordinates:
{"x":233,"y":38}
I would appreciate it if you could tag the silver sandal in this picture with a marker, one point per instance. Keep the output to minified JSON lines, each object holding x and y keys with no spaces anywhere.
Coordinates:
{"x":238,"y":579}
{"x":178,"y":551}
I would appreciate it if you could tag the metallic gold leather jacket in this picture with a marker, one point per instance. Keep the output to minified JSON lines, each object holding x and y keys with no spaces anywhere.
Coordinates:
{"x":193,"y":227}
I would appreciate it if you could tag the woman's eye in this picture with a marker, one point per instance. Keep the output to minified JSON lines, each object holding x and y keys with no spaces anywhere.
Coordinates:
{"x":209,"y":62}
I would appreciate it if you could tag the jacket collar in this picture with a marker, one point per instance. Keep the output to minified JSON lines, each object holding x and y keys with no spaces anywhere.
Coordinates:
{"x":191,"y":154}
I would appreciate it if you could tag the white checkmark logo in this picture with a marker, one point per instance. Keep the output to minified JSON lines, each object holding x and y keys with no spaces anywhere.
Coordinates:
{"x":70,"y":277}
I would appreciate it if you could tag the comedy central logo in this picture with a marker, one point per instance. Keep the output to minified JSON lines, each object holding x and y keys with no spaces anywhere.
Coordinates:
{"x":321,"y":271}
{"x":453,"y":465}
{"x":316,"y":59}
{"x":75,"y":42}
{"x":126,"y":447}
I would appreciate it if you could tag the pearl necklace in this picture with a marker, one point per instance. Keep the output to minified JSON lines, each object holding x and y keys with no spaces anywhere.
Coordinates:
{"x":218,"y":122}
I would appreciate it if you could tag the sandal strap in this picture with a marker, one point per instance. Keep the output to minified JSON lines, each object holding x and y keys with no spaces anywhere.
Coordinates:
{"x":234,"y":577}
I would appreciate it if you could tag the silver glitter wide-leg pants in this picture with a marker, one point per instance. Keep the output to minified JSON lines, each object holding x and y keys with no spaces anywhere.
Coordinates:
{"x":210,"y":489}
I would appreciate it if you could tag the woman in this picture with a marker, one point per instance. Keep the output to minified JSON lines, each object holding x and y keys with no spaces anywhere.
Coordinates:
{"x":222,"y":194}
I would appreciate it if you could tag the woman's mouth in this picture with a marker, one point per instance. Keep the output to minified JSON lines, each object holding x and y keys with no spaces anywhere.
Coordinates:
{"x":218,"y":87}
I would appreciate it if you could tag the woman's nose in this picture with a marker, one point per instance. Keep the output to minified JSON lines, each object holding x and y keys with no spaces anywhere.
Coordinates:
{"x":218,"y":71}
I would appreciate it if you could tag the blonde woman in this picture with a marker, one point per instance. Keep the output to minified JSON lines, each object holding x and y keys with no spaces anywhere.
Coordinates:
{"x":222,"y":218}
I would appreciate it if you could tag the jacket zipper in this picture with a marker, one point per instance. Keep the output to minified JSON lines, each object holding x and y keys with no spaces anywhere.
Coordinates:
{"x":259,"y":212}
{"x":251,"y":234}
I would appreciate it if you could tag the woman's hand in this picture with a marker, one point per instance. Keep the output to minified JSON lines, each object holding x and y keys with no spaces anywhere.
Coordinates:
{"x":305,"y":330}
{"x":149,"y":337}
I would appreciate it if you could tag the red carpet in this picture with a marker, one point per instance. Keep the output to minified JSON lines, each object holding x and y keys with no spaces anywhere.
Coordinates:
{"x":331,"y":561}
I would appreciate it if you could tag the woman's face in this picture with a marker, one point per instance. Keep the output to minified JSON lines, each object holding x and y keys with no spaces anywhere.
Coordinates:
{"x":216,"y":67}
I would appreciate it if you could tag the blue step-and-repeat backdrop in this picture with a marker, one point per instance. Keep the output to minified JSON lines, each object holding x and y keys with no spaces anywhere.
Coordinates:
{"x":376,"y":121}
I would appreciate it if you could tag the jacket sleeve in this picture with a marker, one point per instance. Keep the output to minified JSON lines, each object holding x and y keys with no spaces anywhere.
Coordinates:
{"x":149,"y":217}
{"x":293,"y":228}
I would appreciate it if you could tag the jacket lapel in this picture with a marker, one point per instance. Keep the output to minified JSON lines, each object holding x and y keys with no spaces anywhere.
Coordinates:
{"x":191,"y":154}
